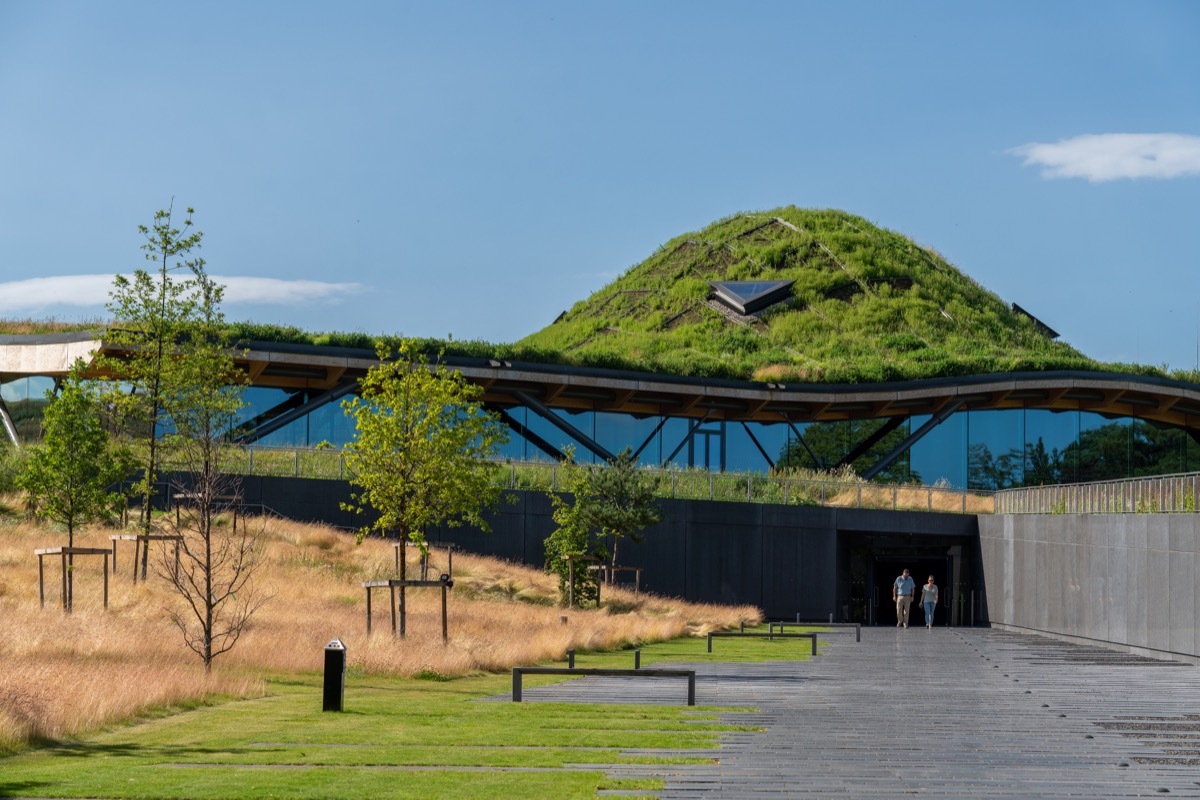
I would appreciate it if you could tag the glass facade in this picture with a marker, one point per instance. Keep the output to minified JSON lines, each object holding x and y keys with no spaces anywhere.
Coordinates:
{"x":25,"y":398}
{"x":971,"y":449}
{"x":984,"y":450}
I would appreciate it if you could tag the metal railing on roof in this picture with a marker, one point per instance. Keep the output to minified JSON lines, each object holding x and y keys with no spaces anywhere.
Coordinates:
{"x":1161,"y":494}
{"x":689,"y":484}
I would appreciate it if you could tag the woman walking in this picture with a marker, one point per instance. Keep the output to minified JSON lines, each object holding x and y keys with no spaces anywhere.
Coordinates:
{"x":929,"y":597}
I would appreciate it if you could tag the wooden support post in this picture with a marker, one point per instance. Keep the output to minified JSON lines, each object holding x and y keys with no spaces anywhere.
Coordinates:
{"x":41,"y":582}
{"x":570,"y":583}
{"x":403,"y":553}
{"x":64,"y":582}
{"x":368,"y":611}
{"x":392,"y":605}
{"x":106,"y":581}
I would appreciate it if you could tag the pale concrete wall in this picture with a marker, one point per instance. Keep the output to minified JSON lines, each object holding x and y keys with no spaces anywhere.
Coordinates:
{"x":1128,"y":580}
{"x":52,"y":354}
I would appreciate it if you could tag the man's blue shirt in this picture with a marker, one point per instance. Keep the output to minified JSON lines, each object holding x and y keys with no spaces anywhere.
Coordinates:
{"x":904,"y":586}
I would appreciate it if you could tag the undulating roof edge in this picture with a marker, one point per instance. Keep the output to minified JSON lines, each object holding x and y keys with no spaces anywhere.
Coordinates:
{"x":364,"y":356}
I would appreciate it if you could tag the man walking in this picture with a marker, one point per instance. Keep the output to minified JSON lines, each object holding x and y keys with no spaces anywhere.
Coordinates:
{"x":902,"y":594}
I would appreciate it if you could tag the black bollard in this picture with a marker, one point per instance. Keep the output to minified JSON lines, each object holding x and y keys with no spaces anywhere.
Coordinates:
{"x":335,"y":676}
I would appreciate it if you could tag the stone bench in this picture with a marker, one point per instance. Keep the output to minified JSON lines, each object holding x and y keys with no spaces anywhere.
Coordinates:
{"x":690,"y":674}
{"x":761,"y":635}
{"x":856,"y":625}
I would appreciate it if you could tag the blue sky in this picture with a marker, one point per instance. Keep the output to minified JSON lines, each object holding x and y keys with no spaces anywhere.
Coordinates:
{"x":474,"y":168}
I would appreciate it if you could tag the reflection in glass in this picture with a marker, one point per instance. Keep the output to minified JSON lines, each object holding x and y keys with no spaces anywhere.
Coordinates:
{"x":826,"y":444}
{"x":1157,"y":449}
{"x":995,"y":449}
{"x":741,"y":452}
{"x":1102,"y":452}
{"x":615,"y":432}
{"x":1048,"y":439}
{"x":26,"y":400}
{"x":940,"y":456}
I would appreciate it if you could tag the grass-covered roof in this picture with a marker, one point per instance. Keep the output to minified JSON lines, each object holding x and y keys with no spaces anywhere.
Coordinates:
{"x":866,"y":305}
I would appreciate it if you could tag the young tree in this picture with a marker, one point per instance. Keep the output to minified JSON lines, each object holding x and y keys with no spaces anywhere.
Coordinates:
{"x":620,"y":501}
{"x":420,"y":456}
{"x":152,"y":313}
{"x":616,"y":500}
{"x":572,"y":539}
{"x":69,"y":477}
{"x":214,"y":576}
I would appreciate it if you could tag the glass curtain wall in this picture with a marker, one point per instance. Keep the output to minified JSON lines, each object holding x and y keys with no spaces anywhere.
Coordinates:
{"x":984,"y":450}
{"x":25,"y":399}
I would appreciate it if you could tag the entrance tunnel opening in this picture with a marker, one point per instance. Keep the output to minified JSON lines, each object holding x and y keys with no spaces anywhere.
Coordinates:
{"x":920,"y":567}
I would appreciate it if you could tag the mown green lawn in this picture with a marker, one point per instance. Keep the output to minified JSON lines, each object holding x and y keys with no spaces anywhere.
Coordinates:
{"x":397,"y":738}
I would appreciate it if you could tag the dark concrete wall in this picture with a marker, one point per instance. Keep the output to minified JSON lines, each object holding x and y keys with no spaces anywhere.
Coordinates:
{"x":1127,"y":580}
{"x":782,"y":559}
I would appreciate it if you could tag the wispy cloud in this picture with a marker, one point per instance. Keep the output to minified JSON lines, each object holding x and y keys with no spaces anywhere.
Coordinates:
{"x":1112,"y":156}
{"x":91,"y":291}
{"x":280,"y":292}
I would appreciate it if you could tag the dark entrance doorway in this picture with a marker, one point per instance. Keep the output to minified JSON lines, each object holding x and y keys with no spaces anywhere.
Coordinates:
{"x":871,"y":562}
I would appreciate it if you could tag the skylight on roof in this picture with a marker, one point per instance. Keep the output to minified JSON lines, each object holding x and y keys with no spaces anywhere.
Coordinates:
{"x":747,"y":297}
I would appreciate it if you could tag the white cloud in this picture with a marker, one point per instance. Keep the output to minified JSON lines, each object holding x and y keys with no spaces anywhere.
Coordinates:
{"x":275,"y":291}
{"x":91,"y":291}
{"x":1111,"y":156}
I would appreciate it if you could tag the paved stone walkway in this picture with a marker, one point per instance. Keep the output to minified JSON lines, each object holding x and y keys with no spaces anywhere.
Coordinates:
{"x":947,"y":713}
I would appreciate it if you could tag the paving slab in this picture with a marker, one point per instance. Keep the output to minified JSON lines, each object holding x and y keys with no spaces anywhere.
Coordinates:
{"x":942,"y":713}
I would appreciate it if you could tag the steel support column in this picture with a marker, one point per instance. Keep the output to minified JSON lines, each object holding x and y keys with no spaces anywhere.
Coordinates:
{"x":916,"y":436}
{"x":536,"y":406}
{"x":9,"y":427}
{"x":529,"y":436}
{"x":754,"y":439}
{"x":306,"y":408}
{"x":866,"y":444}
{"x":804,"y":444}
{"x":687,"y":437}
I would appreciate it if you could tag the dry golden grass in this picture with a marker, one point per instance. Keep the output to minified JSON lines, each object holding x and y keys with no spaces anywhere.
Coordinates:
{"x":64,"y":674}
{"x":911,"y":497}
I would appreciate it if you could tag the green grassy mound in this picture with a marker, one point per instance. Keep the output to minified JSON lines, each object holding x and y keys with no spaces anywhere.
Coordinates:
{"x":867,"y":305}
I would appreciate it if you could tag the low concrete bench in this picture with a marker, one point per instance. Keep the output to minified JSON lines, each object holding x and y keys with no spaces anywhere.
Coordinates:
{"x":856,"y":625}
{"x":760,"y":635}
{"x":690,"y":674}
